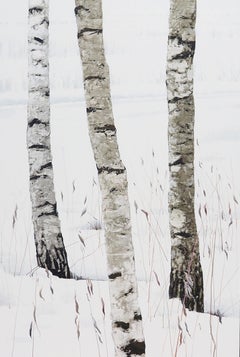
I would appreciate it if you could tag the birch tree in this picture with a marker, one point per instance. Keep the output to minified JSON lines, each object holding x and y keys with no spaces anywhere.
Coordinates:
{"x":50,"y":250}
{"x":186,"y":279}
{"x":126,"y":316}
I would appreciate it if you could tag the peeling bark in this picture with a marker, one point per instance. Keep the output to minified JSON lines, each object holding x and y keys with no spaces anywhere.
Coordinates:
{"x":186,"y":278}
{"x":50,"y":250}
{"x":126,"y":316}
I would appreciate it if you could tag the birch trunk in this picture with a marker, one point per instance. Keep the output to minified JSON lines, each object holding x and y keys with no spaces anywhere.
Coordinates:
{"x":126,"y":316}
{"x":186,"y":279}
{"x":50,"y":250}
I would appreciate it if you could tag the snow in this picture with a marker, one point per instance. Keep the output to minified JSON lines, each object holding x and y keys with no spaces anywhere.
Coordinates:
{"x":136,"y":52}
{"x":44,"y":314}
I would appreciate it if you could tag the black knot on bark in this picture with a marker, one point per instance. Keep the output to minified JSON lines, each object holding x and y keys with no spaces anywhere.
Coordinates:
{"x":134,"y":347}
{"x":114,"y":275}
{"x":137,"y":317}
{"x":123,"y":325}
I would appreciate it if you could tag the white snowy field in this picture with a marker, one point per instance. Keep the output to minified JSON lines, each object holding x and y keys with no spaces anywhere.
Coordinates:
{"x":44,"y":316}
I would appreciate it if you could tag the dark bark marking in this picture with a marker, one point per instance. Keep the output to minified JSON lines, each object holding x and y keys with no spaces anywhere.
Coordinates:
{"x":190,"y":44}
{"x":36,"y":177}
{"x":104,"y":128}
{"x":53,"y":211}
{"x":44,"y":21}
{"x":183,"y":234}
{"x":177,"y":162}
{"x":90,"y":31}
{"x":47,"y":214}
{"x":60,"y":236}
{"x":45,"y":258}
{"x":47,"y":93}
{"x":114,"y":275}
{"x":195,"y":302}
{"x":137,"y":316}
{"x":110,"y":170}
{"x":94,"y":77}
{"x":36,"y":63}
{"x":35,"y":9}
{"x":38,"y":147}
{"x":177,"y":99}
{"x":79,"y":8}
{"x":46,"y":166}
{"x":184,"y":55}
{"x":46,"y":203}
{"x":176,"y":287}
{"x":128,"y":292}
{"x":35,"y":121}
{"x":113,"y":190}
{"x":123,"y":325}
{"x":38,"y":39}
{"x":134,"y":347}
{"x":93,"y":109}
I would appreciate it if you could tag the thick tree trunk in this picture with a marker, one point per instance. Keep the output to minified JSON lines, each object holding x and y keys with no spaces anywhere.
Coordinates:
{"x":50,"y":250}
{"x":186,"y":279}
{"x":126,"y":316}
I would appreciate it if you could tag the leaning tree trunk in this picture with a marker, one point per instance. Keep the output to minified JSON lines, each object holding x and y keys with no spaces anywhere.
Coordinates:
{"x":126,"y":316}
{"x":50,"y":250}
{"x":186,"y":279}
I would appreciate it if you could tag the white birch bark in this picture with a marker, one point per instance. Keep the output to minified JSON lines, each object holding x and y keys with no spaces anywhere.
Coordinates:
{"x":186,"y":279}
{"x":126,"y":315}
{"x":50,"y":250}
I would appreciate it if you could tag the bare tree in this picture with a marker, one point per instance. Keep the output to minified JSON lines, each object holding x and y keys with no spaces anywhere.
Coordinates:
{"x":186,"y":279}
{"x":126,"y":316}
{"x":51,"y":253}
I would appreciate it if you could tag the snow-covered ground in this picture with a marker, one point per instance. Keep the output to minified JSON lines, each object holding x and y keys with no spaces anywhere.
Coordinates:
{"x":43,"y":316}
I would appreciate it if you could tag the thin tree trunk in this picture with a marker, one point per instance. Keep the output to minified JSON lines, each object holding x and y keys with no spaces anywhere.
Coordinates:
{"x":50,"y":250}
{"x":186,"y":279}
{"x":126,"y":315}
